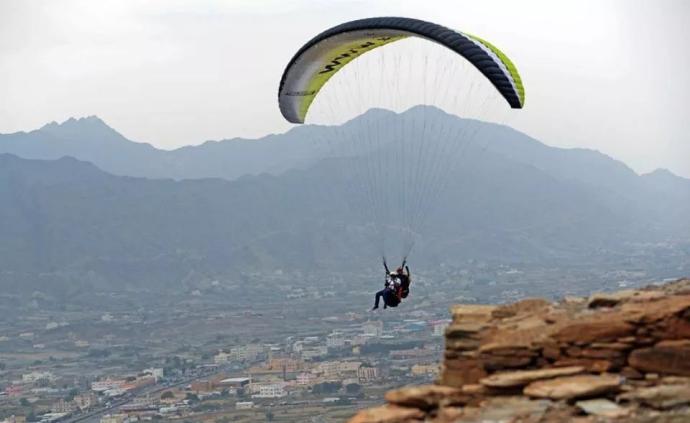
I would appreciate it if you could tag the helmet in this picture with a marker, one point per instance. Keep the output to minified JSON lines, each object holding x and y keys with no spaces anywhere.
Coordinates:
{"x":393,"y":274}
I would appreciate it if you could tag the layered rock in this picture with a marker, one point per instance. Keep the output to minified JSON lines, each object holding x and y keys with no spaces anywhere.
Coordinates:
{"x":620,"y":356}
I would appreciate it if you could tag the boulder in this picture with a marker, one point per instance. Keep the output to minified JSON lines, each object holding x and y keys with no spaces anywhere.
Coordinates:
{"x":601,"y":299}
{"x":466,"y":344}
{"x":506,"y":409}
{"x":459,"y":373}
{"x":529,"y":305}
{"x":471,"y":312}
{"x":659,"y":397}
{"x":569,"y":387}
{"x":603,"y":408}
{"x":591,"y":365}
{"x":389,"y":414}
{"x":653,"y":311}
{"x":494,"y":362}
{"x":427,"y":396}
{"x":597,"y":329}
{"x":666,"y":357}
{"x":464,"y":329}
{"x":523,"y":377}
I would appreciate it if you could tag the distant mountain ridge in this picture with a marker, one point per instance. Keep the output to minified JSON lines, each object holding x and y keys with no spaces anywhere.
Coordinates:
{"x":68,"y":223}
{"x":90,"y":139}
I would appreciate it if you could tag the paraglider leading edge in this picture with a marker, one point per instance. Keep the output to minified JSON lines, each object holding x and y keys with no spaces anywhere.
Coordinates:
{"x":324,"y":55}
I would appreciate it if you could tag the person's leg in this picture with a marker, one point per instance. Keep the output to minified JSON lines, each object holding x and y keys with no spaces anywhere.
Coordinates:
{"x":377,"y":299}
{"x":388,"y":296}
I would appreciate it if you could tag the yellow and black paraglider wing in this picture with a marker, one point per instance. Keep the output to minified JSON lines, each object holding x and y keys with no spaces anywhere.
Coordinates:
{"x":324,"y":55}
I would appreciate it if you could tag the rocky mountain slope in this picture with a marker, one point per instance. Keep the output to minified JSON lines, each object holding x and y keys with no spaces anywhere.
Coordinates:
{"x":611,"y":357}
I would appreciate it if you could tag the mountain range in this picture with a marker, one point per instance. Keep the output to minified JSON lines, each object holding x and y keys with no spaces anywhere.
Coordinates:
{"x":82,"y":206}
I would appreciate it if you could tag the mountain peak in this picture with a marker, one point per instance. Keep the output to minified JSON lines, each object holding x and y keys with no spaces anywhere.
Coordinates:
{"x":661,"y":172}
{"x":664,"y":174}
{"x":89,"y":127}
{"x":92,"y":121}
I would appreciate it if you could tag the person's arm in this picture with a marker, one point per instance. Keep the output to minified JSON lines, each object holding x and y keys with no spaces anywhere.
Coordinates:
{"x":385,"y":266}
{"x":407,"y":269}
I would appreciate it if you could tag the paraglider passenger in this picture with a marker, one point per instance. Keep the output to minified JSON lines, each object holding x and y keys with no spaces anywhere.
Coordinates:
{"x":389,"y":293}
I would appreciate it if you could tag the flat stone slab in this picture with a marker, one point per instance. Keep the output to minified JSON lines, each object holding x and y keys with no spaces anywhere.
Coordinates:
{"x":389,"y":414}
{"x":427,"y":396}
{"x":574,"y":386}
{"x":660,"y":397}
{"x":602,"y":407}
{"x":524,"y":377}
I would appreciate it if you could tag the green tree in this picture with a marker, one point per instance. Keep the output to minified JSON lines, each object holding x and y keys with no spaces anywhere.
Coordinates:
{"x":167,"y":395}
{"x":24,"y":402}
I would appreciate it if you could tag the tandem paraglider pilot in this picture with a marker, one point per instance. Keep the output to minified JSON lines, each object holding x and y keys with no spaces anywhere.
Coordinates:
{"x":395,"y":288}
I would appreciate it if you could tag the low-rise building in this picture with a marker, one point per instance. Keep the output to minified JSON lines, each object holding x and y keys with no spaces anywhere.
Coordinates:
{"x":244,"y":405}
{"x":373,"y":328}
{"x":270,"y":390}
{"x":335,"y":340}
{"x":424,"y":369}
{"x":221,"y":358}
{"x":114,"y":418}
{"x":248,"y":352}
{"x":367,"y":374}
{"x":86,"y":400}
{"x":305,"y":379}
{"x":62,"y":406}
{"x":107,"y":385}
{"x":34,"y":377}
{"x":14,"y":419}
{"x":158,"y":373}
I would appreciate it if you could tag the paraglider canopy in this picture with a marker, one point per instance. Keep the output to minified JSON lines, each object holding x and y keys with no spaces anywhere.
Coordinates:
{"x":324,"y":55}
{"x":399,"y":102}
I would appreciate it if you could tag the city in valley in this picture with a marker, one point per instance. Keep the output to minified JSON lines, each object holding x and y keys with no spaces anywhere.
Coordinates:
{"x":236,"y":350}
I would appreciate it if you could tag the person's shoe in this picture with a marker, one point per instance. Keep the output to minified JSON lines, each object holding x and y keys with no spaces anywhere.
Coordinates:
{"x":375,"y":307}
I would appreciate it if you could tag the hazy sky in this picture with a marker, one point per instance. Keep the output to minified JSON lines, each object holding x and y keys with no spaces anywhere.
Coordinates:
{"x":608,"y":75}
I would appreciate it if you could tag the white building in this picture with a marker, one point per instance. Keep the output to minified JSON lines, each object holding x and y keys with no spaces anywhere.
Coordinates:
{"x":244,"y":405}
{"x":334,"y":369}
{"x":157,"y":373}
{"x":373,"y":328}
{"x":34,"y":377}
{"x":106,"y":385}
{"x":86,"y":401}
{"x":366,"y":374}
{"x":270,"y":390}
{"x":221,"y":357}
{"x":246,"y":352}
{"x":335,"y":340}
{"x":114,"y":418}
{"x":305,"y":379}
